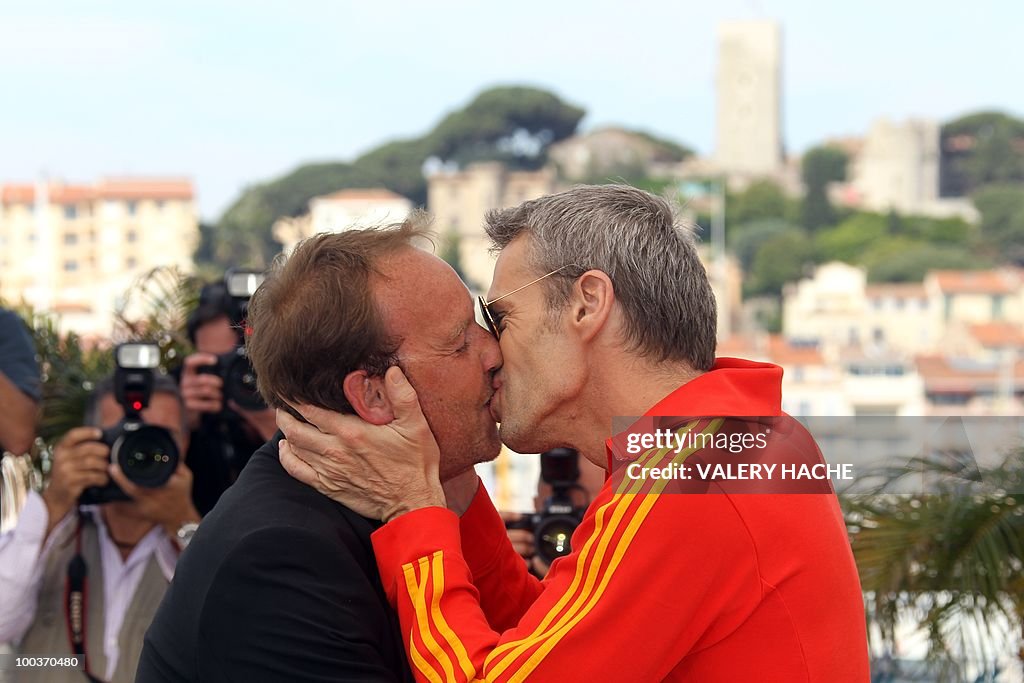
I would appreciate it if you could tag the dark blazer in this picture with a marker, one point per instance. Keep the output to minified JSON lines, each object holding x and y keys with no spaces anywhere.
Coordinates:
{"x":278,"y":584}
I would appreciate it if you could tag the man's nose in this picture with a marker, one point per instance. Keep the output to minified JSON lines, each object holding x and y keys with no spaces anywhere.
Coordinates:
{"x":490,"y":355}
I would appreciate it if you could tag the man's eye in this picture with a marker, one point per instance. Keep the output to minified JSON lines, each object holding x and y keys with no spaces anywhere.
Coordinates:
{"x":499,"y":321}
{"x":464,"y":347}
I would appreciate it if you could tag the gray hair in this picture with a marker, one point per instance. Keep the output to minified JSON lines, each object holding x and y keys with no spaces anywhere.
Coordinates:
{"x":634,"y":238}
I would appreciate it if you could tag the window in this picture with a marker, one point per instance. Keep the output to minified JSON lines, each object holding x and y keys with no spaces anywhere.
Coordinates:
{"x":132,"y":236}
{"x":70,"y":238}
{"x":131,"y":208}
{"x":70,"y":212}
{"x":130,"y":262}
{"x":70,"y":266}
{"x":997,"y":307}
{"x":160,"y":204}
{"x":948,"y":399}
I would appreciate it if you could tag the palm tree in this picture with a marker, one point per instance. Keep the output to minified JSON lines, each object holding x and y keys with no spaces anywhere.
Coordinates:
{"x":155,"y":308}
{"x":953,"y":558}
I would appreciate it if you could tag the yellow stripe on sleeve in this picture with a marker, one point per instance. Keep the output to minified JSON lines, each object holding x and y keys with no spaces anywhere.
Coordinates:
{"x":417,"y":593}
{"x":437,"y":571}
{"x":585,"y":600}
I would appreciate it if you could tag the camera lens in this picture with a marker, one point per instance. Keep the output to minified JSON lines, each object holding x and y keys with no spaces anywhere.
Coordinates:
{"x":240,"y":384}
{"x":148,"y":455}
{"x":553,"y":536}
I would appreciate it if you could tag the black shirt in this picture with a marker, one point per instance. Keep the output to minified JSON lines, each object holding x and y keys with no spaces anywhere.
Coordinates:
{"x":278,"y":584}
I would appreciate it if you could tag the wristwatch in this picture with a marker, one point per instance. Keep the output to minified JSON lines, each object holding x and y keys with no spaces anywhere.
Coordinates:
{"x":185,"y":534}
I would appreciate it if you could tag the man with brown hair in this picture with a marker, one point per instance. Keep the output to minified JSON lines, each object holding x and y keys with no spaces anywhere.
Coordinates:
{"x":280,"y":583}
{"x":603,"y":310}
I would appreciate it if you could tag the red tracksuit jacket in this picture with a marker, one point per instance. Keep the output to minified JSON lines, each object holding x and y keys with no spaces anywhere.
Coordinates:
{"x":659,"y":586}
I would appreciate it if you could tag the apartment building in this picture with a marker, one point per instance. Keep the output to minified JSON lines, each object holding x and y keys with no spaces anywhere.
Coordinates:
{"x":837,"y":307}
{"x":343,"y":210}
{"x":76,"y":250}
{"x":459,"y":200}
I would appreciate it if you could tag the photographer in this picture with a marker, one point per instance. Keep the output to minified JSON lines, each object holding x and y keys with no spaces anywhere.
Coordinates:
{"x":19,"y":385}
{"x":566,"y":485}
{"x":119,"y":556}
{"x":224,"y":432}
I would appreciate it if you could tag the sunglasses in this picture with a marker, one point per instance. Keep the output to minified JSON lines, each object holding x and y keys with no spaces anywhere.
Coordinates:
{"x":485,"y":311}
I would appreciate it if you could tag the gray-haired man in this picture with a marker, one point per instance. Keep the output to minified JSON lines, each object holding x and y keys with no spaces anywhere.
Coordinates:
{"x":602,"y":309}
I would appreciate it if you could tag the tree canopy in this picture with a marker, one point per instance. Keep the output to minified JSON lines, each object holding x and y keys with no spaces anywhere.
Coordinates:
{"x":820,"y":166}
{"x":1002,"y":219}
{"x":510,"y":124}
{"x":979,"y":149}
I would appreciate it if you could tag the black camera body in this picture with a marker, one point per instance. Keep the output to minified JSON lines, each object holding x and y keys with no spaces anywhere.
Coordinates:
{"x":234,"y":367}
{"x":147,"y":454}
{"x":239,"y":377}
{"x":559,"y":516}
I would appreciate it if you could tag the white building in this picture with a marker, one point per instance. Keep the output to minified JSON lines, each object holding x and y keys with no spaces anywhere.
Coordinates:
{"x":897,"y":168}
{"x":819,"y":381}
{"x":749,"y":89}
{"x":951,"y":311}
{"x":343,"y":210}
{"x":459,"y":200}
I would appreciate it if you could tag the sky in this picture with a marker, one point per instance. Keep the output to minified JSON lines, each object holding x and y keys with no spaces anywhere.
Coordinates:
{"x":235,"y":93}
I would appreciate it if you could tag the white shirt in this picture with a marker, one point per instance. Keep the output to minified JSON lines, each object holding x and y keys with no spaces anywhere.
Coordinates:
{"x":23,"y":557}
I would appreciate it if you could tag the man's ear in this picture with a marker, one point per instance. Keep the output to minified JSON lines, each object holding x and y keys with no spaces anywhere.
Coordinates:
{"x":593,"y":298}
{"x":368,"y":398}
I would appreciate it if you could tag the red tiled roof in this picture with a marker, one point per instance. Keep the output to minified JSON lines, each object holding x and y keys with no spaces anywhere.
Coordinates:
{"x":785,"y":354}
{"x":976,"y":282}
{"x":943,"y":375}
{"x":145,"y":188}
{"x":735,"y":345}
{"x":777,"y":350}
{"x":17,"y":194}
{"x":998,"y":334}
{"x":121,"y":188}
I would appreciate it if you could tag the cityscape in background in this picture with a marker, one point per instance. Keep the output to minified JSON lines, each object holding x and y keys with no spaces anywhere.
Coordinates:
{"x":883,"y":271}
{"x":946,"y":341}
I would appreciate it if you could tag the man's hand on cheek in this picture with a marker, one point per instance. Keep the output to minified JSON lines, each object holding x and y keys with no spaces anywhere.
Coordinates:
{"x":379,"y":472}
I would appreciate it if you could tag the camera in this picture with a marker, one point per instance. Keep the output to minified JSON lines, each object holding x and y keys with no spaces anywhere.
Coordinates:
{"x":147,"y":454}
{"x":234,"y":367}
{"x":559,"y":516}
